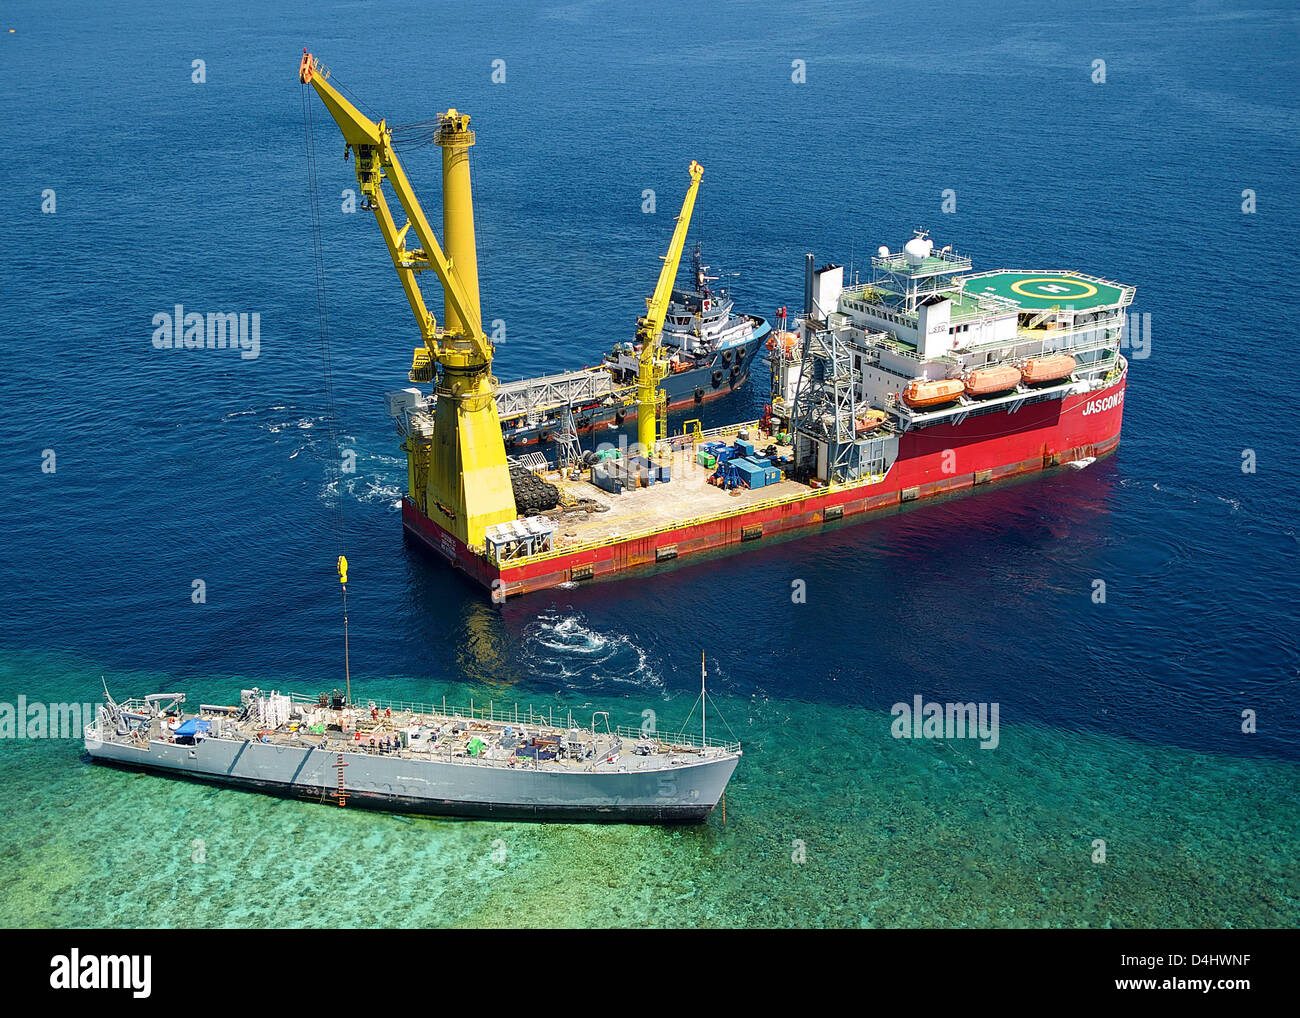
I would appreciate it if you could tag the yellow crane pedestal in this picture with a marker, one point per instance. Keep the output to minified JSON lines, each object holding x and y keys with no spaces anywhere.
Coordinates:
{"x":455,"y":138}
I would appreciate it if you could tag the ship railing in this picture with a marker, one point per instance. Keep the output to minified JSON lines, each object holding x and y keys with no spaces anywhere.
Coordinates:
{"x":989,"y":304}
{"x":1067,"y":340}
{"x":880,"y":339}
{"x":1127,"y":293}
{"x":727,"y":430}
{"x":599,"y":762}
{"x":937,"y":261}
{"x":877,"y":366}
{"x":677,"y":739}
{"x":1080,"y":318}
{"x":515,"y":715}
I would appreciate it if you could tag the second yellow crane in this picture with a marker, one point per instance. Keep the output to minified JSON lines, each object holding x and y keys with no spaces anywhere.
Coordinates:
{"x":649,"y":329}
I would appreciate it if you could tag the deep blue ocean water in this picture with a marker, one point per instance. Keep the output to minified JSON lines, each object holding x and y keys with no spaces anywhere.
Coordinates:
{"x":1121,"y":721}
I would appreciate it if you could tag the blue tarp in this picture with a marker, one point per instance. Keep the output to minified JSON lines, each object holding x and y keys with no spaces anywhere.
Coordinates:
{"x":193,"y":726}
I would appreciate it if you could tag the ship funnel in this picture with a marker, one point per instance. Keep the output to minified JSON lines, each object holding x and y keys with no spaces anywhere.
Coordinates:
{"x":807,"y":284}
{"x":828,"y":283}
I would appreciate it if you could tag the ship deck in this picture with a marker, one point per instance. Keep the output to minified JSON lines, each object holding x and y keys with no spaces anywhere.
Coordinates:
{"x":478,"y":736}
{"x":1044,"y":290}
{"x":686,"y":497}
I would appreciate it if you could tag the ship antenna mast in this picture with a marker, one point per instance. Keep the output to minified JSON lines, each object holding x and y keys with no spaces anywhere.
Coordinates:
{"x":347,"y":663}
{"x":704,"y":707}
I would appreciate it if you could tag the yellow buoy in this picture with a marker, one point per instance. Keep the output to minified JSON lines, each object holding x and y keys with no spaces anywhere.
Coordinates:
{"x":343,"y":569}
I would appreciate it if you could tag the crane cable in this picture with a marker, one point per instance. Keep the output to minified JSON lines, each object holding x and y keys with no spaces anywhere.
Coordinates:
{"x":332,"y":471}
{"x":418,"y":135}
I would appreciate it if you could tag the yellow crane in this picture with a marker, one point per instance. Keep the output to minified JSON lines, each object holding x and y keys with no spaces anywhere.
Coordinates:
{"x":649,"y":329}
{"x":457,"y":476}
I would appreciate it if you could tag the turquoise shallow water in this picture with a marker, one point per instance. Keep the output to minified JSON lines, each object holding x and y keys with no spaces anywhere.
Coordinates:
{"x":893,"y":833}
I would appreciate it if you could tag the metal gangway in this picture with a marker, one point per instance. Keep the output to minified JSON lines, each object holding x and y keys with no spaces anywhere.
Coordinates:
{"x":532,"y":398}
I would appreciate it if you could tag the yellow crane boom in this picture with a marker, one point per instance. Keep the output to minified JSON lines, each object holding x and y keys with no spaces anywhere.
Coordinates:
{"x":376,"y":161}
{"x":649,"y":329}
{"x":457,"y":476}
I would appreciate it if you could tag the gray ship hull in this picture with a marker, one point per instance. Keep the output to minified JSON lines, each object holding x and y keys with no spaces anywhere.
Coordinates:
{"x":683,"y":793}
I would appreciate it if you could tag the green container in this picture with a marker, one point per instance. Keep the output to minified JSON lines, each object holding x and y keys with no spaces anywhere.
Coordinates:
{"x":706,"y":459}
{"x":783,"y":438}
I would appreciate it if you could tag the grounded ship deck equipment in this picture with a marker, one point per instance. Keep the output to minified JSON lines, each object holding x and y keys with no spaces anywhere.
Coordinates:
{"x":421,"y":758}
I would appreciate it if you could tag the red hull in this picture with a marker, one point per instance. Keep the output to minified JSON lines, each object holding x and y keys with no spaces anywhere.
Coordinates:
{"x":977,"y":451}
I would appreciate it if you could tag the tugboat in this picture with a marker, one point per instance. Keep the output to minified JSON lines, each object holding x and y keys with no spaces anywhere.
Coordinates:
{"x":710,"y":351}
{"x":710,"y":348}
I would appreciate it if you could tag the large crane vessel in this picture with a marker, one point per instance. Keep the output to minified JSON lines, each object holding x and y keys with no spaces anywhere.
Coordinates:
{"x":926,"y":379}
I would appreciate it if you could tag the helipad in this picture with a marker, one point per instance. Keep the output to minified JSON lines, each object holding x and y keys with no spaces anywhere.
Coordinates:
{"x":1035,"y":290}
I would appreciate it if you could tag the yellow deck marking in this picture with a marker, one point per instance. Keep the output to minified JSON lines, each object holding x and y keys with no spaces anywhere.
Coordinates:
{"x":1088,"y":291}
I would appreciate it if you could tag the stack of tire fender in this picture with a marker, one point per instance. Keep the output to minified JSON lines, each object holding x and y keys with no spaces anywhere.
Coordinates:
{"x":532,"y":494}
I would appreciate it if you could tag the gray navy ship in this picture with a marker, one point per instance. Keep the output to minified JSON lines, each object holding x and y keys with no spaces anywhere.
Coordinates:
{"x":412,"y":758}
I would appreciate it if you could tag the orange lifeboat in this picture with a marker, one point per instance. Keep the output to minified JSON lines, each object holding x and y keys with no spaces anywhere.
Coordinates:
{"x":922,"y":393}
{"x":784,"y":341}
{"x":1037,"y":370}
{"x":991,"y":380}
{"x":871,"y":420}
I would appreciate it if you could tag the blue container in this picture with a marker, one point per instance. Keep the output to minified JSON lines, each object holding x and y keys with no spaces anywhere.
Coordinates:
{"x":606,"y":481}
{"x":750,"y":473}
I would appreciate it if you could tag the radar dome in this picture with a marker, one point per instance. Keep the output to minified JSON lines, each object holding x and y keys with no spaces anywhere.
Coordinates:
{"x":918,"y":250}
{"x":882,"y":251}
